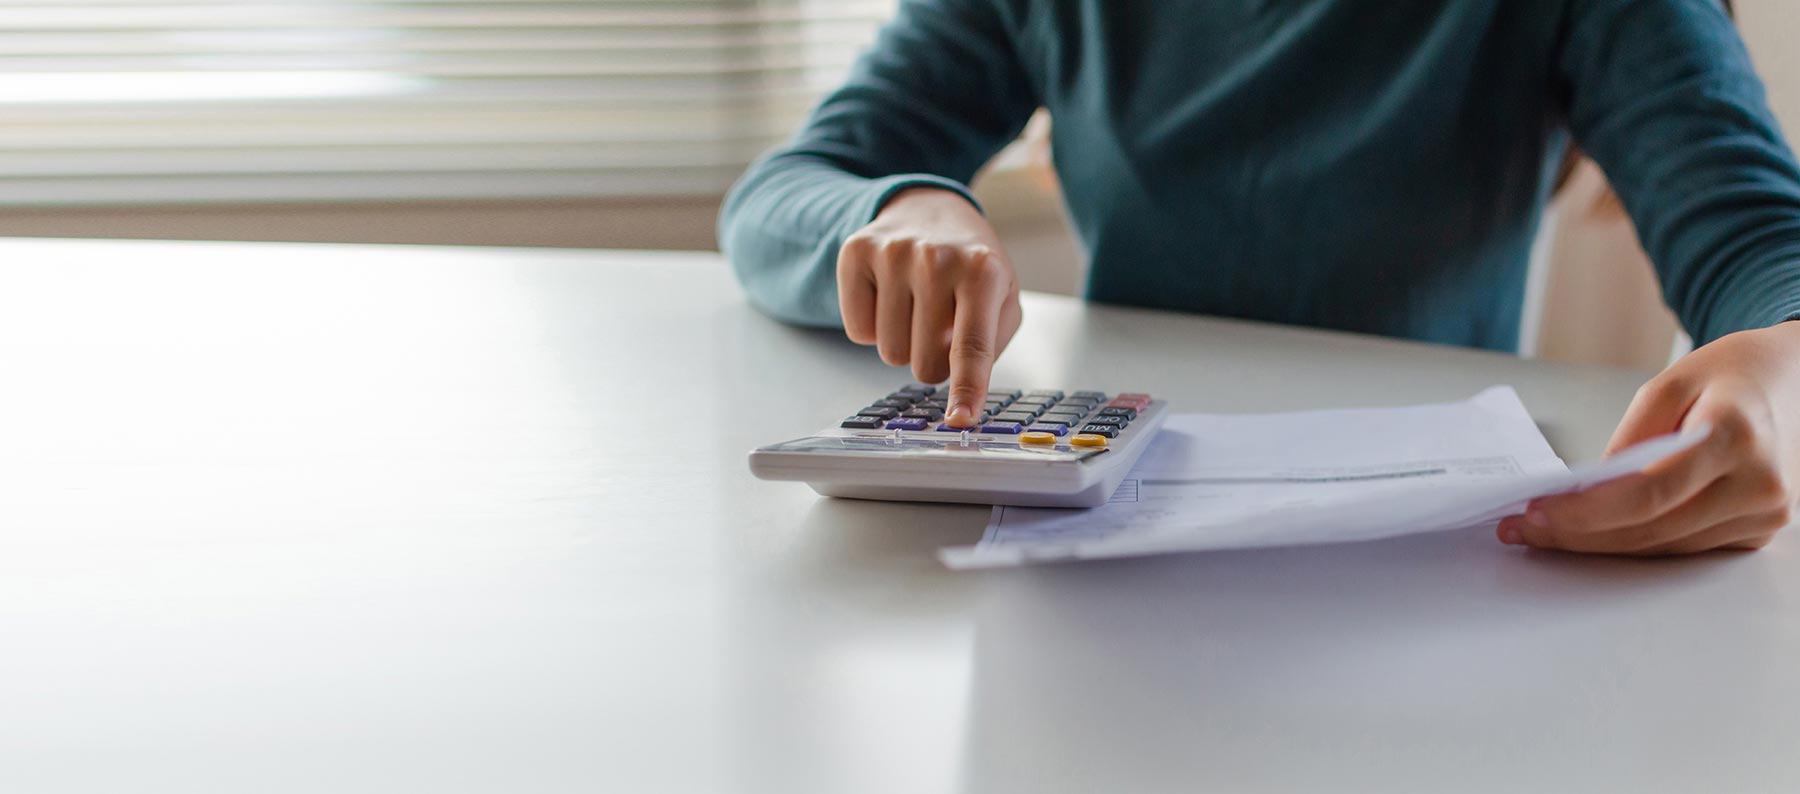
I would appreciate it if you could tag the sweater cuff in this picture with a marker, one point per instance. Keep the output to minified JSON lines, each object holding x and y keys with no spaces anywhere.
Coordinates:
{"x":885,"y":188}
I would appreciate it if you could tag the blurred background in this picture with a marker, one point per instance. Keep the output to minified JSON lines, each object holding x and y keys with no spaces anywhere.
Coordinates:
{"x":583,"y":123}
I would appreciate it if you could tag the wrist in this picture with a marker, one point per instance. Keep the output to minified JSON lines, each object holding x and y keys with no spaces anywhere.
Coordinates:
{"x":922,"y":196}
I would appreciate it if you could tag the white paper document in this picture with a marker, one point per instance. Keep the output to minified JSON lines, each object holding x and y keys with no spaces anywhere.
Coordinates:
{"x":1220,"y":481}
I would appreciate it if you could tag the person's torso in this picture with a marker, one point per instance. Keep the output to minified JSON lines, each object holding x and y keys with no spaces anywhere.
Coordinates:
{"x":1368,"y":165}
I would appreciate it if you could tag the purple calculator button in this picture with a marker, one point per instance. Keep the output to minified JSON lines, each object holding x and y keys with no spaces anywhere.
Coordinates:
{"x":1008,"y":428}
{"x":907,"y":424}
{"x":1053,"y":428}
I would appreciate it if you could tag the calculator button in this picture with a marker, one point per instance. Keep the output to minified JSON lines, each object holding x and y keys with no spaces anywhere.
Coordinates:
{"x":907,"y":424}
{"x":879,"y":410}
{"x":1004,"y":392}
{"x":995,"y":406}
{"x":1022,"y":417}
{"x":862,"y":423}
{"x":1053,"y":394}
{"x":920,"y":388}
{"x":1100,"y":430}
{"x":1110,"y":421}
{"x":1053,"y":428}
{"x":927,"y":414}
{"x":1133,"y":405}
{"x":1034,"y":399}
{"x":1062,"y":417}
{"x":1132,"y":396}
{"x":1007,"y":428}
{"x":975,"y":427}
{"x":1097,"y":396}
{"x":1037,"y":437}
{"x":1128,"y":413}
{"x":892,"y":403}
{"x":1087,"y":440}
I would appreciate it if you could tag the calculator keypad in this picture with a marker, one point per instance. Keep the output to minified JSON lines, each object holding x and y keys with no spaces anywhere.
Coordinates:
{"x":1080,"y":417}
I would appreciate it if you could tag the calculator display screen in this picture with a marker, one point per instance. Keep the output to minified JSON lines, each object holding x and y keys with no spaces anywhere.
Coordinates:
{"x":889,"y":447}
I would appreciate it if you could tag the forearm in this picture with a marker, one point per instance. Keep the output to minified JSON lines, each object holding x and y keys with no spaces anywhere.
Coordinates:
{"x":783,"y":223}
{"x":1663,"y":95}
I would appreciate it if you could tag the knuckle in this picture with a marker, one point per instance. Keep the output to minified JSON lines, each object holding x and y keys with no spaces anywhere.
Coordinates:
{"x":929,"y":371}
{"x":863,"y":240}
{"x":972,"y":346}
{"x":942,"y":259}
{"x":1737,"y":432}
{"x":988,"y":266}
{"x":1768,"y":487}
{"x":1664,"y":387}
{"x":1781,"y":515}
{"x":895,"y":246}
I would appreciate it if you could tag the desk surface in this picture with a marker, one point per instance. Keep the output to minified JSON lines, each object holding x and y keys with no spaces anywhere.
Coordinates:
{"x":330,"y":518}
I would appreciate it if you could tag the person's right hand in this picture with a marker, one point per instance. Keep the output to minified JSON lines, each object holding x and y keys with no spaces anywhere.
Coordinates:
{"x":928,"y":285}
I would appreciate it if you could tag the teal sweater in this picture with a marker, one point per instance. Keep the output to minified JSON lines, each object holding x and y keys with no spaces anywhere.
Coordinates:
{"x":1367,"y":165}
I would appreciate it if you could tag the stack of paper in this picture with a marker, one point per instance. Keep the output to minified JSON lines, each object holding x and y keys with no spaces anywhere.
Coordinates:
{"x":1214,"y":481}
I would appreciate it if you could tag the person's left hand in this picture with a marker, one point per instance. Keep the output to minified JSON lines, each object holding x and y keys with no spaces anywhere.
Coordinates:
{"x":1734,"y":490}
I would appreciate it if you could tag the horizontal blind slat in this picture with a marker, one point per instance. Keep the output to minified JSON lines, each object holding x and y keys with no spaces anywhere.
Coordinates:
{"x":204,"y":100}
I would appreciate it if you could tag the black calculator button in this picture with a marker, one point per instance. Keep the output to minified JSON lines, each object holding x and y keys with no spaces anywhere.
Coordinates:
{"x":863,"y":423}
{"x":1064,"y":417}
{"x":927,"y":414}
{"x":1053,"y":394}
{"x":1034,"y":400}
{"x":1022,"y":417}
{"x":937,"y":404}
{"x":994,"y":406}
{"x":892,"y":403}
{"x":1114,"y":421}
{"x":1096,"y":396}
{"x":1002,"y":390}
{"x":1119,"y":411}
{"x":919,"y":388}
{"x":1101,"y":430}
{"x":879,"y":410}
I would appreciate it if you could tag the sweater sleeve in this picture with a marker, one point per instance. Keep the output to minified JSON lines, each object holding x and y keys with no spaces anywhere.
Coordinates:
{"x":939,"y":93}
{"x":1663,"y":96}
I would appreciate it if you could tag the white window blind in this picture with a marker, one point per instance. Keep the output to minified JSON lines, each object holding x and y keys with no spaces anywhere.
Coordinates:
{"x":138,"y":101}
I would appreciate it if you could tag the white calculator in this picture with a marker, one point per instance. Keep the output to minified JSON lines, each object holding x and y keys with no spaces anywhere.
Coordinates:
{"x":1044,"y":448}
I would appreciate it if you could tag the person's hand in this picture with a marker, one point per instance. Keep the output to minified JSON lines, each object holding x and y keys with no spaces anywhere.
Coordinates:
{"x":1734,"y":490}
{"x":928,"y":284}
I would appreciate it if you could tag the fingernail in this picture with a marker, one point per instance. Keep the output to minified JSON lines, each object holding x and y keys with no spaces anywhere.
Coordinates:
{"x":958,"y":416}
{"x":1510,"y":535}
{"x":1537,"y":517}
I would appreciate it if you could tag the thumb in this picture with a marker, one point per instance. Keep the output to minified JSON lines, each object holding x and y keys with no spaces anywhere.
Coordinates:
{"x":1658,"y":409}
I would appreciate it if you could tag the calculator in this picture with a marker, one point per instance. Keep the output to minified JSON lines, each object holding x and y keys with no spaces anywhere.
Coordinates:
{"x":1042,"y":448}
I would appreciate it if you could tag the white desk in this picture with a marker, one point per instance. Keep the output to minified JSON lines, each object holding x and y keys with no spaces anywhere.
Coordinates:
{"x":295,"y":518}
